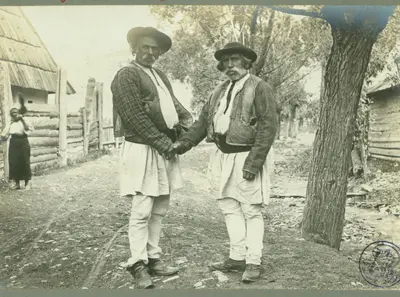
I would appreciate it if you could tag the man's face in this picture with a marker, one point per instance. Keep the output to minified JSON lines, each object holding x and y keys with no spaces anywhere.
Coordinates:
{"x":147,"y":51}
{"x":233,"y":66}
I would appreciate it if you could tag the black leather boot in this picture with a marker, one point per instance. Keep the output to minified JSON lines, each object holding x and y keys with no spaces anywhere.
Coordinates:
{"x":157,"y":267}
{"x":141,"y":275}
{"x":252,"y":273}
{"x":229,"y":265}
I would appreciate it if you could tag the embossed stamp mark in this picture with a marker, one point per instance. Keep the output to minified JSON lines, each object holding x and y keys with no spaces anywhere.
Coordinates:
{"x":379,"y":264}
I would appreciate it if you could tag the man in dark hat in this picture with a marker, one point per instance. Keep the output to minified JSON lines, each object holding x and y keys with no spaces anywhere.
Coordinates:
{"x":240,"y":118}
{"x":151,"y":119}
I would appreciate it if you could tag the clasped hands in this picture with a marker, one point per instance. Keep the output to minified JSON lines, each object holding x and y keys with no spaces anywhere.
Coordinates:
{"x":178,"y":148}
{"x":181,"y":147}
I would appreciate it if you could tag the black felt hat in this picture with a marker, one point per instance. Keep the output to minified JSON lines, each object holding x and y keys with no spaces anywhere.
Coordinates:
{"x":163,"y":39}
{"x":233,"y":48}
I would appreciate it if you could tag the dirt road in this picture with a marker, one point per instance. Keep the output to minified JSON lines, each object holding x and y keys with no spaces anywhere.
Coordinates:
{"x":70,"y":231}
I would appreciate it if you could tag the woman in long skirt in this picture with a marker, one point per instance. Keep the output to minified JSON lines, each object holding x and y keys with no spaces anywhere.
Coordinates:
{"x":19,"y":151}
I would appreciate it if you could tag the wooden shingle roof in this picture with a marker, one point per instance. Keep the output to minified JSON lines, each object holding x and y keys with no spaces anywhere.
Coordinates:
{"x":30,"y":63}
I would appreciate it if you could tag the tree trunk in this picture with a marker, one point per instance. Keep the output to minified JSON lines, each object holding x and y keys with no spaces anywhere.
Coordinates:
{"x":286,"y":126}
{"x":292,"y":116}
{"x":278,"y":132}
{"x":367,"y":173}
{"x":301,"y":123}
{"x":327,"y":181}
{"x":259,"y":65}
{"x":323,"y":70}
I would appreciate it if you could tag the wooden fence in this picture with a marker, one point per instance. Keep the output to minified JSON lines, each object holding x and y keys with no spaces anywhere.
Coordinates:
{"x":384,"y":135}
{"x":59,"y":137}
{"x":108,"y":135}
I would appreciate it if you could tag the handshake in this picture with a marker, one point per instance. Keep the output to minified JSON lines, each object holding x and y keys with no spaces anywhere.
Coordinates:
{"x":178,"y":148}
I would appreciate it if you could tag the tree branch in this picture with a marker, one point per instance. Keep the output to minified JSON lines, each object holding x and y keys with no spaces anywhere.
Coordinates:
{"x":271,"y":43}
{"x":302,"y":77}
{"x":292,"y":73}
{"x":286,"y":101}
{"x":295,"y":11}
{"x":264,"y":51}
{"x":281,"y":64}
{"x":205,"y":29}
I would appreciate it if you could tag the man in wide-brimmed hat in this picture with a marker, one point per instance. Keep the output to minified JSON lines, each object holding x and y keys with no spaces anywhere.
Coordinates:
{"x":240,"y":118}
{"x":151,"y":119}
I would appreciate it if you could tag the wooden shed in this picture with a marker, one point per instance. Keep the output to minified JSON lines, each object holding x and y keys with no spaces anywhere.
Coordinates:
{"x":384,"y":131}
{"x":32,"y":70}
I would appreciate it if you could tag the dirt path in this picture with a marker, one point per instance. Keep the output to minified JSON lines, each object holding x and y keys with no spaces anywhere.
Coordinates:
{"x":70,"y":232}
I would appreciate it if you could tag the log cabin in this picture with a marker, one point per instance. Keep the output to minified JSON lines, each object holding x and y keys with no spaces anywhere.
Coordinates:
{"x":32,"y":70}
{"x":26,"y":67}
{"x":384,"y":124}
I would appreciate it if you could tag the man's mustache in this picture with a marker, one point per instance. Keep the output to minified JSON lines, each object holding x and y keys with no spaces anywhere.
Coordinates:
{"x":149,"y":56}
{"x":231,"y":71}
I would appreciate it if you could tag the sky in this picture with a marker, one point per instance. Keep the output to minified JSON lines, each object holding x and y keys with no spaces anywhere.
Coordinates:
{"x":90,"y":41}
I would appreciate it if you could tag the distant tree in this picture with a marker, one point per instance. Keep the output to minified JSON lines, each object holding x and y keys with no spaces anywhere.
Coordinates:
{"x":287,"y":52}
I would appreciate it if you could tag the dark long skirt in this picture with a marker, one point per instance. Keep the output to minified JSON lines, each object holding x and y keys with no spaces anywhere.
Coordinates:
{"x":19,"y":155}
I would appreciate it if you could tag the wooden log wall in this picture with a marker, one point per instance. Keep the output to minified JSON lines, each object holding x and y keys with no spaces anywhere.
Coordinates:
{"x":75,"y":142}
{"x":43,"y":140}
{"x":384,"y":132}
{"x":5,"y":104}
{"x":2,"y":146}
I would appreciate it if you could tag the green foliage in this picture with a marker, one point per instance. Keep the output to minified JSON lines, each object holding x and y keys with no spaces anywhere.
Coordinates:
{"x":384,"y":51}
{"x":190,"y":61}
{"x":309,"y":109}
{"x":292,"y":49}
{"x":287,"y":52}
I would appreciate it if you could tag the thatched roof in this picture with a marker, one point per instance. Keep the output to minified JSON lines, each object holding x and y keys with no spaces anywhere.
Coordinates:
{"x":30,"y":64}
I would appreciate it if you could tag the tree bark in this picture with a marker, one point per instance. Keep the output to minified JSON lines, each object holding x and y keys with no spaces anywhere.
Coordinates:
{"x":301,"y":123}
{"x":292,"y":116}
{"x":327,"y":181}
{"x":259,"y":65}
{"x":278,"y":132}
{"x":286,"y":126}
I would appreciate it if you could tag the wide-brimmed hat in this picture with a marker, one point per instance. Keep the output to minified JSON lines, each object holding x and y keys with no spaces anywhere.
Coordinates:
{"x":163,"y":39}
{"x":233,"y":48}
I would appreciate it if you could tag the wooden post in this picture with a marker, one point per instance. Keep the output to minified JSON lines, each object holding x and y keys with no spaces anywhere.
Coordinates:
{"x":6,"y":102}
{"x":99,"y":92}
{"x":90,"y":96}
{"x":61,"y":94}
{"x":85,"y":132}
